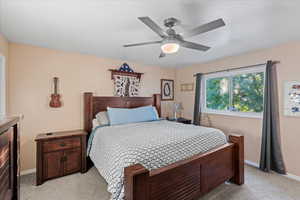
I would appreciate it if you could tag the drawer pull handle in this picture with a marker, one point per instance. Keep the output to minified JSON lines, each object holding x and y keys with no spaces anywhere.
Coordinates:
{"x":62,"y":144}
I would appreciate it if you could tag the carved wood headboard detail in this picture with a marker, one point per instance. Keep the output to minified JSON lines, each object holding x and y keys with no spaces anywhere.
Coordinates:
{"x":95,"y":104}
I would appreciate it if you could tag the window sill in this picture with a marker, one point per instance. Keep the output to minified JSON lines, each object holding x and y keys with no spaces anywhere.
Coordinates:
{"x":235,"y":114}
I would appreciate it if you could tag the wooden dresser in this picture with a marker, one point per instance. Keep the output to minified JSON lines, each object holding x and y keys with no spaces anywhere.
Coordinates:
{"x":59,"y":154}
{"x":9,"y":159}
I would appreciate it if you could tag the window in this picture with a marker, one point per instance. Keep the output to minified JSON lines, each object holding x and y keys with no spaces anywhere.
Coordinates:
{"x":2,"y":86}
{"x":237,"y":92}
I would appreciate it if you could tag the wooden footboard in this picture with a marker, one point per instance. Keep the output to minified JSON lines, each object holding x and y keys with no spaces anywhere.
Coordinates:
{"x":188,"y":179}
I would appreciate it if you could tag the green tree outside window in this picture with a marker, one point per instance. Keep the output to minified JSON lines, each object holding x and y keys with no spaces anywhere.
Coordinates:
{"x":241,"y":93}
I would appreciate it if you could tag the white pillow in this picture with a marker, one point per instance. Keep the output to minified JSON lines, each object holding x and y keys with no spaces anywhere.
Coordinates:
{"x":102,"y":118}
{"x":95,"y":123}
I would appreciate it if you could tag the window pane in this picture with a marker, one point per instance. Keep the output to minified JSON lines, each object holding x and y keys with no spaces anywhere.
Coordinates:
{"x":248,"y":92}
{"x":217,"y":93}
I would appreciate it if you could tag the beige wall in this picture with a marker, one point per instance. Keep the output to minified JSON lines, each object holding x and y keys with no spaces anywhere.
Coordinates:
{"x":30,"y":80}
{"x":32,"y":68}
{"x":3,"y":46}
{"x":4,"y":52}
{"x":288,"y":70}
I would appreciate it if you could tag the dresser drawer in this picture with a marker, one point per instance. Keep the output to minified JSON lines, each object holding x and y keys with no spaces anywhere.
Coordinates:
{"x":9,"y":159}
{"x":5,"y":167}
{"x":61,"y":144}
{"x":5,"y":185}
{"x":4,"y":152}
{"x":4,"y":158}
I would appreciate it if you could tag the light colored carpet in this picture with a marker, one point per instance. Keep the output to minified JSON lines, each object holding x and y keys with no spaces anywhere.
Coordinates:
{"x":91,"y":186}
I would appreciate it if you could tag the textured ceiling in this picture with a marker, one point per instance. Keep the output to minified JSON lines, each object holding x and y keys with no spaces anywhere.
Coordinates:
{"x":101,"y":27}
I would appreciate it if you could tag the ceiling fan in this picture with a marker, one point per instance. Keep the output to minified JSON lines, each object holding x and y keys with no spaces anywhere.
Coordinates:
{"x":171,"y":41}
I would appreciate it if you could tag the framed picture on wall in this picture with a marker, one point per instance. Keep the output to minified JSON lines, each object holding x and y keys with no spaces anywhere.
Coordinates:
{"x":292,"y":98}
{"x":167,"y":89}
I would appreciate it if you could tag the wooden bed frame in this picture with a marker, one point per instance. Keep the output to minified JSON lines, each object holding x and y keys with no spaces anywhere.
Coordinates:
{"x":184,"y":180}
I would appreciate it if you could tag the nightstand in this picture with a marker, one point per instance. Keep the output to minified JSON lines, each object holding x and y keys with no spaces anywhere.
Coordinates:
{"x":181,"y":120}
{"x":60,"y":154}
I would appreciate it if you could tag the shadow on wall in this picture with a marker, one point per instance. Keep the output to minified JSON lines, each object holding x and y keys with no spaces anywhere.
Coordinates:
{"x":251,"y":128}
{"x":167,"y":107}
{"x":2,"y":86}
{"x":27,"y":148}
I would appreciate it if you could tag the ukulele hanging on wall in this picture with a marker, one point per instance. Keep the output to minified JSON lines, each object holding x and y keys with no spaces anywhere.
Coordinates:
{"x":55,"y":97}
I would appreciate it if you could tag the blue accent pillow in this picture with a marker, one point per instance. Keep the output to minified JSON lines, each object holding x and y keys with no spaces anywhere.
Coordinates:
{"x":125,"y":115}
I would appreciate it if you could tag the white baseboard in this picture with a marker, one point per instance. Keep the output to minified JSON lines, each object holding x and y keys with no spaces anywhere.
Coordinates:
{"x":28,"y":171}
{"x":253,"y":164}
{"x":288,"y":175}
{"x":292,"y":176}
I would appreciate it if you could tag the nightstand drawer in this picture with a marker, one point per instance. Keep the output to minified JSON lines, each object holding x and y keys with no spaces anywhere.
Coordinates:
{"x":61,"y":144}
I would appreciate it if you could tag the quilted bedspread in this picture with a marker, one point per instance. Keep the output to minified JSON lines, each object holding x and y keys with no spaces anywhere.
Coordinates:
{"x":152,"y":144}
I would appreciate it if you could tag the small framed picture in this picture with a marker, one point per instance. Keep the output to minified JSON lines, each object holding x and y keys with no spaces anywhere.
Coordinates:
{"x":292,"y":98}
{"x":167,"y":89}
{"x":187,"y":87}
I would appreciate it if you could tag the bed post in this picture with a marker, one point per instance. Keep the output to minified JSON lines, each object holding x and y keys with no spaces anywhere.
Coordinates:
{"x":136,"y":182}
{"x":88,"y":117}
{"x":156,"y":103}
{"x":88,"y":111}
{"x":238,"y":159}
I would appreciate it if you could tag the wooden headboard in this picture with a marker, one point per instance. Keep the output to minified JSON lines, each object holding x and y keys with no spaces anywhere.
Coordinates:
{"x":95,"y":104}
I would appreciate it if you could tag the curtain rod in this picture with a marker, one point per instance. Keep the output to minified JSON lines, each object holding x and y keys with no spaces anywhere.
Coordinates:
{"x":236,"y":68}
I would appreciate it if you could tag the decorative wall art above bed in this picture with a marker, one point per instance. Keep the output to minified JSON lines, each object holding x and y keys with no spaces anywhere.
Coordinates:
{"x":167,"y":90}
{"x":292,"y":98}
{"x":127,"y":82}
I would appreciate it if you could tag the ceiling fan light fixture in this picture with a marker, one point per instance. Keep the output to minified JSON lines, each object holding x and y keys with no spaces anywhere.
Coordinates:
{"x":170,"y":46}
{"x":171,"y":41}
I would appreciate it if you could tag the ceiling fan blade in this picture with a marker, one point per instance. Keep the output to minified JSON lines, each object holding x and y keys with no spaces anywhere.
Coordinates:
{"x":162,"y":54}
{"x":151,"y":24}
{"x":195,"y":46}
{"x":142,"y":43}
{"x":205,"y":28}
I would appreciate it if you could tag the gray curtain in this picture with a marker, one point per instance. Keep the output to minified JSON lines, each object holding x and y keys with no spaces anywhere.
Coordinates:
{"x":197,"y":106}
{"x":271,"y":155}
